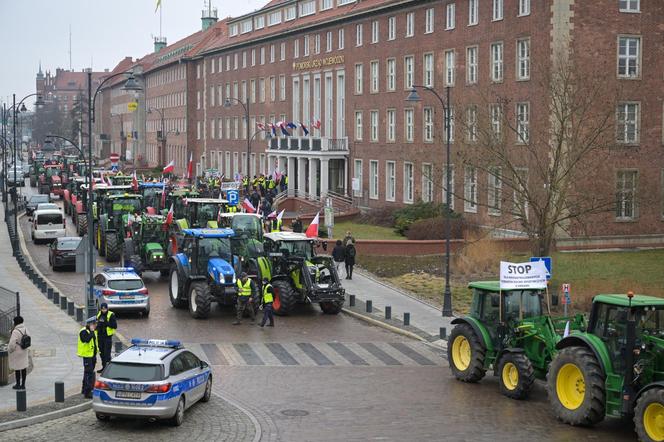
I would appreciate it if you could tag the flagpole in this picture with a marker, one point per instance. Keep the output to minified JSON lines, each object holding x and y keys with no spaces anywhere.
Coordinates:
{"x":161,"y":35}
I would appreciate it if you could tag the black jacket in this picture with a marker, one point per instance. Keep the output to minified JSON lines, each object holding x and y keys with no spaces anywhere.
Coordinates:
{"x":339,"y":253}
{"x":101,"y":324}
{"x":297,"y":226}
{"x":350,"y":254}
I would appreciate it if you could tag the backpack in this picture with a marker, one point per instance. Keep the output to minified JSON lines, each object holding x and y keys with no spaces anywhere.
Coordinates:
{"x":350,"y":250}
{"x":25,"y":342}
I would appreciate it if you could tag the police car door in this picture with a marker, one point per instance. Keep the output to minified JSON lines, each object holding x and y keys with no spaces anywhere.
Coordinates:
{"x":195,"y":374}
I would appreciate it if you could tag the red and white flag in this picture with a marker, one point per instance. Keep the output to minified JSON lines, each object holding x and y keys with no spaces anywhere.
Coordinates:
{"x":248,"y":206}
{"x":169,"y":217}
{"x":170,"y":167}
{"x":134,"y":181}
{"x":190,"y":166}
{"x":281,"y":214}
{"x":316,"y":124}
{"x":312,"y":230}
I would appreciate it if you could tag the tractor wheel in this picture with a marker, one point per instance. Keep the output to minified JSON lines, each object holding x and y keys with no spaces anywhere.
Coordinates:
{"x":649,"y":415}
{"x":516,"y":375}
{"x":576,"y":387}
{"x":176,"y":289}
{"x":284,"y":297}
{"x":465,"y":354}
{"x":112,"y":248}
{"x":137,"y":264}
{"x":33,"y":182}
{"x":331,"y":307}
{"x":81,"y":224}
{"x":128,"y":249}
{"x":200,"y":300}
{"x":101,"y":247}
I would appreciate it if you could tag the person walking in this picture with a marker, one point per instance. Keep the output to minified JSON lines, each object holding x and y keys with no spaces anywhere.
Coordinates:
{"x":18,"y":352}
{"x":349,"y":238}
{"x":266,"y":302}
{"x":245,"y":290}
{"x":87,"y":349}
{"x":297,"y":225}
{"x":338,"y":254}
{"x":350,"y":258}
{"x":106,"y":327}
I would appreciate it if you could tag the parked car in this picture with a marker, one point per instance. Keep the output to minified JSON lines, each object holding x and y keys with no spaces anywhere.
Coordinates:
{"x":15,"y":179}
{"x":153,"y":379}
{"x":33,"y":201}
{"x":62,"y":253}
{"x":48,"y":225}
{"x":122,"y":289}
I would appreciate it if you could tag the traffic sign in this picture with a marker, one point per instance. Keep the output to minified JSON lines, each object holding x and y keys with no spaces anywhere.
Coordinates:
{"x":566,"y":288}
{"x":233,"y":197}
{"x":547,"y":263}
{"x":132,"y":106}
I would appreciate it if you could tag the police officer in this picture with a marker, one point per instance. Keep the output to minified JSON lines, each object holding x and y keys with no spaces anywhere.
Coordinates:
{"x":87,"y":349}
{"x":245,"y":289}
{"x":266,"y":300}
{"x":107,"y":325}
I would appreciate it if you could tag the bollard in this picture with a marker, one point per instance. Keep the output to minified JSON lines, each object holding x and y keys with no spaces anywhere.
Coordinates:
{"x":79,"y":313}
{"x":63,"y":302}
{"x":351,"y":300}
{"x":56,"y":297}
{"x":406,"y":318}
{"x":49,"y":293}
{"x":59,"y":392}
{"x":443,"y":333}
{"x":369,"y":306}
{"x":388,"y":312}
{"x":118,"y":347}
{"x":21,"y":400}
{"x":70,"y":308}
{"x":43,"y":287}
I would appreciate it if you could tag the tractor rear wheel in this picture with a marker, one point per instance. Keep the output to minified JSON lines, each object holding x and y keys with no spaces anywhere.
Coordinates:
{"x":137,"y":264}
{"x":176,"y":288}
{"x":81,"y":224}
{"x":466,"y":353}
{"x":516,"y":375}
{"x":112,"y":248}
{"x":284,"y":297}
{"x":649,"y":415}
{"x":200,"y":300}
{"x":331,"y":307}
{"x":576,"y":387}
{"x":101,"y":247}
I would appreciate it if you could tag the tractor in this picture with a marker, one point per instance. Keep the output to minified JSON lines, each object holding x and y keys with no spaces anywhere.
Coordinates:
{"x":298,"y":275}
{"x":146,"y":249}
{"x":249,"y":224}
{"x":615,"y":368}
{"x":199,"y":212}
{"x":112,"y":226}
{"x":204,"y":271}
{"x":509,"y":332}
{"x":152,"y":196}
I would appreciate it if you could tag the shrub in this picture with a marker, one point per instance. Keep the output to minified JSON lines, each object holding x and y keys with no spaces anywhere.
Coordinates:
{"x":406,"y":216}
{"x":383,"y":217}
{"x":434,"y":228}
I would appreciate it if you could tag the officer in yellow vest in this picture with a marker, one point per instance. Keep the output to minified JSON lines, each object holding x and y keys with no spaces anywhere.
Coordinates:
{"x":245,"y":290}
{"x":275,"y":224}
{"x":107,"y":325}
{"x":87,"y":349}
{"x":267,"y":299}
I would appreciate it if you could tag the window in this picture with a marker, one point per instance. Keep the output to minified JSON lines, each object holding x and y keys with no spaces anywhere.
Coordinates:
{"x":428,"y":21}
{"x":451,"y":122}
{"x":391,"y":74}
{"x":307,"y":8}
{"x":244,"y":59}
{"x":473,"y":12}
{"x":390,"y":181}
{"x":306,"y":46}
{"x":496,"y":62}
{"x":408,"y":183}
{"x":198,"y":99}
{"x":290,"y":13}
{"x":629,"y":5}
{"x":408,"y":66}
{"x":261,"y":90}
{"x":471,"y":65}
{"x":627,"y":118}
{"x":427,"y":183}
{"x":496,"y":120}
{"x":212,"y":96}
{"x":408,"y":124}
{"x":524,"y":7}
{"x":328,"y":41}
{"x":262,"y":55}
{"x":374,"y":125}
{"x":494,"y":190}
{"x":341,"y":38}
{"x":282,"y":51}
{"x":235,"y":61}
{"x":358,"y":35}
{"x":391,"y":28}
{"x":358,"y":176}
{"x":497,"y":10}
{"x":629,"y":57}
{"x":523,"y":59}
{"x":274,"y":18}
{"x":233,"y":30}
{"x":252,"y":90}
{"x":253,"y":57}
{"x":273,"y":88}
{"x":427,"y":116}
{"x":373,"y":179}
{"x":410,"y":24}
{"x":358,"y":126}
{"x":296,"y":99}
{"x":428,"y":70}
{"x":296,"y":48}
{"x":212,"y":63}
{"x":325,"y":4}
{"x":450,"y":20}
{"x":374,"y":76}
{"x":198,"y":130}
{"x":448,"y":171}
{"x":317,"y":44}
{"x":246,"y":26}
{"x":449,"y":68}
{"x":523,"y":123}
{"x":271,"y":53}
{"x":282,"y":87}
{"x":471,"y":124}
{"x":212,"y":128}
{"x":375,"y":31}
{"x":259,"y":22}
{"x":358,"y":78}
{"x":626,"y":207}
{"x":470,"y":189}
{"x":391,"y":125}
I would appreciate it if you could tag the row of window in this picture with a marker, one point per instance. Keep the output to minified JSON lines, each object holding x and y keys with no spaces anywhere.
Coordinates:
{"x":259,"y":91}
{"x":168,"y":100}
{"x":166,"y":76}
{"x":221,"y":160}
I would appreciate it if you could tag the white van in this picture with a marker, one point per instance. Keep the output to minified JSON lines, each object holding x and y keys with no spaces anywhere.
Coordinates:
{"x":47,"y":225}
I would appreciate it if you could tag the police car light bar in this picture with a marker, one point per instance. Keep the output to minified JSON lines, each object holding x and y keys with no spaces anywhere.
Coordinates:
{"x":118,"y":269}
{"x":156,"y":342}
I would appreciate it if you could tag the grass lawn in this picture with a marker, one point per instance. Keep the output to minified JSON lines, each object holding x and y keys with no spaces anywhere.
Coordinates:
{"x":364,"y":231}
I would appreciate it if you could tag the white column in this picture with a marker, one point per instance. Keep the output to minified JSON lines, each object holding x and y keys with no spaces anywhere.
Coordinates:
{"x":324,"y":176}
{"x":301,"y":175}
{"x":291,"y":176}
{"x":346,"y":176}
{"x":313,"y":172}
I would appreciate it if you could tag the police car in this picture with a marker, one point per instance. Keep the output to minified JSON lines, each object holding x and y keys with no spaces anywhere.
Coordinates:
{"x":122,"y":289}
{"x":153,"y":379}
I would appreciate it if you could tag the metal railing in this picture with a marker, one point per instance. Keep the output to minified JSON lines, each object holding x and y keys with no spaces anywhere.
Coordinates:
{"x":10,"y":306}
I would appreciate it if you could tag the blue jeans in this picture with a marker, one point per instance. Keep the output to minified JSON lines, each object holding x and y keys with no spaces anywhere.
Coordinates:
{"x":267,"y":314}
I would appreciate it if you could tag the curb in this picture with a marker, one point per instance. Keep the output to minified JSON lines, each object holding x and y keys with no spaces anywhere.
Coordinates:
{"x":19,"y":423}
{"x":258,"y":432}
{"x":381,"y":324}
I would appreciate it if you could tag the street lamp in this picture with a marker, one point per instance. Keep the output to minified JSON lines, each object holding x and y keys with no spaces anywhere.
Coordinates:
{"x":245,"y":106}
{"x":414,"y":97}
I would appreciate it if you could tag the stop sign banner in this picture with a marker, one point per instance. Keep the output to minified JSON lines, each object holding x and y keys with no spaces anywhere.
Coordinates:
{"x":527,"y":275}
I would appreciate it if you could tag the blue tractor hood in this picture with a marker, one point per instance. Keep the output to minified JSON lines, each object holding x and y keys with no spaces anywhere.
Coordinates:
{"x":221,"y":271}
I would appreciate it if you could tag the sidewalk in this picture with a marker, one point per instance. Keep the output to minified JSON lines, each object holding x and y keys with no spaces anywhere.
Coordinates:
{"x":53,"y":350}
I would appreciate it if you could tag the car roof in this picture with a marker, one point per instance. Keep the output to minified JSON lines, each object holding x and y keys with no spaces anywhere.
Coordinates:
{"x":210,"y":233}
{"x":46,"y":197}
{"x":48,"y":212}
{"x":287,"y":236}
{"x":145,"y":354}
{"x":119,"y":273}
{"x":153,"y":185}
{"x":70,"y":238}
{"x":51,"y":206}
{"x":124,"y":195}
{"x":623,"y":301}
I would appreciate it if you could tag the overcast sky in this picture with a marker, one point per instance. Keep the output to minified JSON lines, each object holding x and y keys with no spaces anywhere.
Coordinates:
{"x":103,"y":32}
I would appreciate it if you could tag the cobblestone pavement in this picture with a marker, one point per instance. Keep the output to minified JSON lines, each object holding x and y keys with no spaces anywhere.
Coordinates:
{"x":216,"y":420}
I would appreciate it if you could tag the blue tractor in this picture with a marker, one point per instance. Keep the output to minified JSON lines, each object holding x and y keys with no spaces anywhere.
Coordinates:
{"x":203,"y":271}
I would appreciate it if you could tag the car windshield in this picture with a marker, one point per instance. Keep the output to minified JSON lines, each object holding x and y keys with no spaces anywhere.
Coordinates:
{"x":124,"y":371}
{"x":125,"y":284}
{"x":49,"y":218}
{"x":302,"y":249}
{"x":207,"y":212}
{"x":68,"y":244}
{"x":247,"y":248}
{"x":43,"y":206}
{"x":126,"y":205}
{"x":36,"y":199}
{"x":214,"y":248}
{"x":247,"y":224}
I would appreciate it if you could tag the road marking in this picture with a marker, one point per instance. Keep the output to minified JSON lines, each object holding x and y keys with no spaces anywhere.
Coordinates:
{"x":215,"y":357}
{"x":347,"y":353}
{"x":315,"y":354}
{"x":248,"y":354}
{"x":281,"y":353}
{"x":380,"y":354}
{"x":412,"y":354}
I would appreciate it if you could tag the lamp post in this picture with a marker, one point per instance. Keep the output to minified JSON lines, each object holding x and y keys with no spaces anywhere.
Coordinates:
{"x":414,"y":97}
{"x":130,"y":85}
{"x":76,"y":146}
{"x":4,"y":153}
{"x":245,"y":106}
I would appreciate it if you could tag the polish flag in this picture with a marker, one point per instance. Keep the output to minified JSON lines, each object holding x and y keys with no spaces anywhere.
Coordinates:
{"x":248,"y":206}
{"x":316,"y":124}
{"x":169,"y":217}
{"x":281,"y":214}
{"x":312,"y":230}
{"x":170,"y":167}
{"x":190,"y":166}
{"x":134,"y":181}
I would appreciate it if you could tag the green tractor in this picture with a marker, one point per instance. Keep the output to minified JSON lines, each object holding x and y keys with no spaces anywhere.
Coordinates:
{"x":146,"y":249}
{"x":199,"y":213}
{"x":509,"y":332}
{"x":615,"y":368}
{"x":113,"y":223}
{"x":152,"y":196}
{"x":243,"y":224}
{"x":298,"y":275}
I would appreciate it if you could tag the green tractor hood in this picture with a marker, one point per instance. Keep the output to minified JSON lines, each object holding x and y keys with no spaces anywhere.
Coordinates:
{"x":154,"y":252}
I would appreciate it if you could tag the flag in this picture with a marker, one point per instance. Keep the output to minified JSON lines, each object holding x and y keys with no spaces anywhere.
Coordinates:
{"x":566,"y":334}
{"x":291,"y":125}
{"x":282,"y":126}
{"x":312,"y":230}
{"x":134,"y":181}
{"x":273,"y":129}
{"x":281,"y":214}
{"x":169,"y":217}
{"x":260,"y":126}
{"x":248,"y":206}
{"x":272,"y":214}
{"x":190,"y":166}
{"x":304,"y":129}
{"x":316,"y":124}
{"x":158,"y":6}
{"x":219,"y":216}
{"x":163,"y":195}
{"x":170,"y":167}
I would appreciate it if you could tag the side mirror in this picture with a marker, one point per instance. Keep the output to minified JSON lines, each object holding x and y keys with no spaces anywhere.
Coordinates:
{"x":204,"y":364}
{"x":554,"y":300}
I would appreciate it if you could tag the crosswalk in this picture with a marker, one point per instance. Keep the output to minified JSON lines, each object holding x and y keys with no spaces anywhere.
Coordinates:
{"x":319,"y":354}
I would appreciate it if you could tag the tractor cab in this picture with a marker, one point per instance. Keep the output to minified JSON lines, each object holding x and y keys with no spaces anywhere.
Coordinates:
{"x":146,"y":249}
{"x":202,"y":212}
{"x":243,"y":224}
{"x":152,"y":195}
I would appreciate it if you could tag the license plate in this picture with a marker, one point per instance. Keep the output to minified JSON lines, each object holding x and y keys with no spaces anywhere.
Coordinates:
{"x":126,"y":296}
{"x":50,"y":232}
{"x":128,"y":394}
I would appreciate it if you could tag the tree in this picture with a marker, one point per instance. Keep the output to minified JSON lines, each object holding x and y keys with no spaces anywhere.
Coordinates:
{"x":48,"y":120}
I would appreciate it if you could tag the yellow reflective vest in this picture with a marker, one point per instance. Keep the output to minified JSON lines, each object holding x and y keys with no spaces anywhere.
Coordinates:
{"x":86,"y":349}
{"x":109,"y":331}
{"x":267,"y":296}
{"x":244,"y":289}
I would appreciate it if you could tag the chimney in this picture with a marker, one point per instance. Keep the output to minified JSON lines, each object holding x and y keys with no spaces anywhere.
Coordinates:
{"x":159,"y":44}
{"x":208,"y":17}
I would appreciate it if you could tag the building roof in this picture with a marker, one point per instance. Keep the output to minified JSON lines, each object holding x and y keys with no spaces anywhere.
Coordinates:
{"x":125,"y":64}
{"x":75,"y":81}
